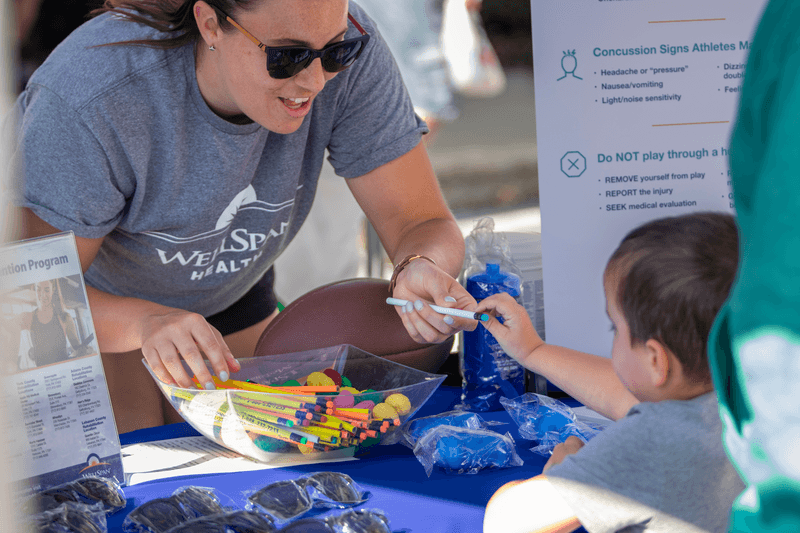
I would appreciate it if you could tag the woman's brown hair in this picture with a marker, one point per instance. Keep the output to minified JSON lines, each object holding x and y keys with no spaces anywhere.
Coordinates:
{"x":173,"y":18}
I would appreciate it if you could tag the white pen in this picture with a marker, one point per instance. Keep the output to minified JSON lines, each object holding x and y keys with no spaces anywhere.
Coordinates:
{"x":444,"y":310}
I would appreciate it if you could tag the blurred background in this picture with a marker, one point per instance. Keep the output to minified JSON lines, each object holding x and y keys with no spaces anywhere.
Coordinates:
{"x":486,"y":159}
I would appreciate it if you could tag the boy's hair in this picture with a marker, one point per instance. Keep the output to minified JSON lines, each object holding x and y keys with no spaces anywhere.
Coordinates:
{"x":672,"y":277}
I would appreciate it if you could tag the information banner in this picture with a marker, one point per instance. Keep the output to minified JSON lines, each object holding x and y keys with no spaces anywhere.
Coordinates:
{"x":635,"y":102}
{"x":55,"y":392}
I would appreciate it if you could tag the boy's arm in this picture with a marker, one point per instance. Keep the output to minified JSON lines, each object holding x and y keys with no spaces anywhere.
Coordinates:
{"x":529,"y":506}
{"x":590,"y":379}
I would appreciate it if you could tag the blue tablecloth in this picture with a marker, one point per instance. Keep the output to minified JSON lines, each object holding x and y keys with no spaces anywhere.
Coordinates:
{"x":441,"y":503}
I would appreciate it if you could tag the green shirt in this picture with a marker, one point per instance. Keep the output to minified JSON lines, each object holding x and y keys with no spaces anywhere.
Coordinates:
{"x":754,"y":349}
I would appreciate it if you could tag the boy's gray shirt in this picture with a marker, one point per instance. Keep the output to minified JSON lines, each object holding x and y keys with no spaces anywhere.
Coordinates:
{"x":662,"y":468}
{"x":117,"y":142}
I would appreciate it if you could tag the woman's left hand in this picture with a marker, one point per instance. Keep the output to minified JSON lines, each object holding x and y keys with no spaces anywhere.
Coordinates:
{"x":422,"y":283}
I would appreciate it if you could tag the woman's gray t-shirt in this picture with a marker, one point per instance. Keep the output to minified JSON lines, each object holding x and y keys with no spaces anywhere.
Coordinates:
{"x":117,"y":142}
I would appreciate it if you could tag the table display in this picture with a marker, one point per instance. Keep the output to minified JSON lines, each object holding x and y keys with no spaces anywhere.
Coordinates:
{"x":397,"y":482}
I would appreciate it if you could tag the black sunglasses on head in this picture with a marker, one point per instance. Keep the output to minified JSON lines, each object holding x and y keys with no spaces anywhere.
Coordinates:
{"x":283,"y":62}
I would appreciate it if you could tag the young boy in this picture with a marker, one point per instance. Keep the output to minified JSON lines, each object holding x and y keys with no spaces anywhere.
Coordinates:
{"x":662,"y":465}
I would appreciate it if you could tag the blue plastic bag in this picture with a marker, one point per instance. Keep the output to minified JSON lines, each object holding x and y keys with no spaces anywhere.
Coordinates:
{"x":546,"y":421}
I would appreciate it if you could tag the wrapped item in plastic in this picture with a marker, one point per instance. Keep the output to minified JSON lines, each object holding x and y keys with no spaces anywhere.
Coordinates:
{"x":155,"y":516}
{"x":283,"y":500}
{"x":350,"y":521}
{"x":292,"y":498}
{"x":238,"y":521}
{"x":462,"y":419}
{"x":360,"y":521}
{"x":465,"y":451}
{"x":70,"y":517}
{"x":88,"y":490}
{"x":488,"y":373}
{"x":201,"y":501}
{"x":186,"y":503}
{"x":334,"y":490}
{"x":547,"y":421}
{"x":307,"y":525}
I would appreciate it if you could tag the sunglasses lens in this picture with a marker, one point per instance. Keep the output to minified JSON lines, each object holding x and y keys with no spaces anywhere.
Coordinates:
{"x":336,"y":486}
{"x":158,"y":515}
{"x":100,"y":489}
{"x":200,"y":525}
{"x":342,"y":55}
{"x":283,"y":499}
{"x":307,"y":525}
{"x":49,"y":499}
{"x":198,"y":502}
{"x":248,"y":522}
{"x":68,"y":517}
{"x":360,"y":521}
{"x":283,"y":63}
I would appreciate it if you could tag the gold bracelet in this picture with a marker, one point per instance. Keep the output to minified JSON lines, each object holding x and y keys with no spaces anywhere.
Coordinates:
{"x":401,"y":265}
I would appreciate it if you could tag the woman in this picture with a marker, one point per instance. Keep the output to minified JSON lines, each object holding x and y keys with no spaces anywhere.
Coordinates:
{"x":50,"y":328}
{"x":185,"y":159}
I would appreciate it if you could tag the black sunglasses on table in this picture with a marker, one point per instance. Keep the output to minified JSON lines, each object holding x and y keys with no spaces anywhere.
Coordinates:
{"x":283,"y":62}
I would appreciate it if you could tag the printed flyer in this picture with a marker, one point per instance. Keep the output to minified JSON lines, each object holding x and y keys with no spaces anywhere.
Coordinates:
{"x":635,"y":103}
{"x":56,"y":398}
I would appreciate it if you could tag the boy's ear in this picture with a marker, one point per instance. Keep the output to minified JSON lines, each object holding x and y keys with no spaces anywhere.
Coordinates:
{"x":658,"y":362}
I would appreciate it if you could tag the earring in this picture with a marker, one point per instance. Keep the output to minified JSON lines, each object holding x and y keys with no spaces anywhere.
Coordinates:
{"x":212,"y":48}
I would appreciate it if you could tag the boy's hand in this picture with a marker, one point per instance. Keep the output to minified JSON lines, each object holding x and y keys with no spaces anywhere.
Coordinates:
{"x":572,"y":445}
{"x":516,"y":334}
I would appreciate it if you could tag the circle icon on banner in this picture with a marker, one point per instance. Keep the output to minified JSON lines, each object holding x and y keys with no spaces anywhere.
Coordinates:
{"x":573,"y":164}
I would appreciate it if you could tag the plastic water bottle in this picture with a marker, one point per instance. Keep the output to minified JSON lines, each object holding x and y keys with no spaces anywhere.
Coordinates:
{"x":488,"y":373}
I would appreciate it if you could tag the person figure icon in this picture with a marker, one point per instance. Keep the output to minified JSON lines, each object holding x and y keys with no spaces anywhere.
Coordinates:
{"x":570,"y":64}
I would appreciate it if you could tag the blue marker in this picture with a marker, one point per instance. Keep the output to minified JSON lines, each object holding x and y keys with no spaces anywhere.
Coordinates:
{"x":444,"y":310}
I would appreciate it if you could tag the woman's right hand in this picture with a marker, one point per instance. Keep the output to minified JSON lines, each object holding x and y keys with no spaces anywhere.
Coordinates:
{"x":176,"y":334}
{"x":516,"y":334}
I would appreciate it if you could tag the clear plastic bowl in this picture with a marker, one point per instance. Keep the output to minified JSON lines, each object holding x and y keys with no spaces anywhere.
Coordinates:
{"x":226,"y":416}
